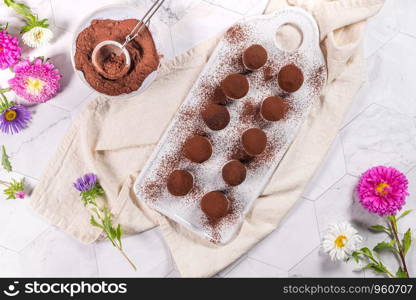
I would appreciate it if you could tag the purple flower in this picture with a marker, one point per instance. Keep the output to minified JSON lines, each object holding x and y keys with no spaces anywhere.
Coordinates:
{"x":9,"y":50}
{"x":14,"y":118}
{"x":85,"y":182}
{"x":36,"y":81}
{"x":20,"y":194}
{"x":382,"y":190}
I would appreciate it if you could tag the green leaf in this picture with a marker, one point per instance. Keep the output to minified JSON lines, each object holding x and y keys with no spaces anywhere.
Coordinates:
{"x":25,"y":11}
{"x":94,"y":222}
{"x":405,"y":213}
{"x":407,"y":241}
{"x":5,"y":162}
{"x":356,"y":256}
{"x":378,"y":268}
{"x":400,"y":273}
{"x":367,"y":252}
{"x":385,"y":245}
{"x":19,"y":8}
{"x":4,"y":103}
{"x":379,"y":228}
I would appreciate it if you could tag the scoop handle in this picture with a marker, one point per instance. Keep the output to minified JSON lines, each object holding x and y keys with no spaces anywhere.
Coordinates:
{"x":143,"y":22}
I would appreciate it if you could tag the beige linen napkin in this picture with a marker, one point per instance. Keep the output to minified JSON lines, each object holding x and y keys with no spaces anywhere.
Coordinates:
{"x":113,"y":138}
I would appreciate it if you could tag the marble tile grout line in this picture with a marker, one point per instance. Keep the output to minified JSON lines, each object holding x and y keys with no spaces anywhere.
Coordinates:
{"x":303,"y":258}
{"x":225,"y":8}
{"x":49,"y":227}
{"x":267,"y":264}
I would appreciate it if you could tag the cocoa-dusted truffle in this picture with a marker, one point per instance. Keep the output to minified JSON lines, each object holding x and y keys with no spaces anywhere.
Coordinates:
{"x":180,"y":182}
{"x":215,"y":205}
{"x":273,"y":108}
{"x":234,"y":172}
{"x":290,"y":78}
{"x":235,"y":86}
{"x":254,"y":57}
{"x":218,"y":96}
{"x":197,"y":149}
{"x":254,"y":141}
{"x":215,"y":116}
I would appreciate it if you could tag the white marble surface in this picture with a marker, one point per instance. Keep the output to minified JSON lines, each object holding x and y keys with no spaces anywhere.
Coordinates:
{"x":379,"y":129}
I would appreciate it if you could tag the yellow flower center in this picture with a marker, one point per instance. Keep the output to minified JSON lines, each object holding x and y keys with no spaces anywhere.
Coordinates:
{"x":38,"y":35}
{"x":340,"y":241}
{"x":381,"y":188}
{"x":34,"y":86}
{"x":10,"y":115}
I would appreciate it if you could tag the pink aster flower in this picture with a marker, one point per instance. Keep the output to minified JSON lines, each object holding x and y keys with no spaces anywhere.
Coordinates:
{"x":20,"y":194}
{"x":9,"y":50}
{"x":382,"y":190}
{"x":36,"y":81}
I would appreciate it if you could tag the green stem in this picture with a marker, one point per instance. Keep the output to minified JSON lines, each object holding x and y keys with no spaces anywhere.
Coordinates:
{"x":394,"y":230}
{"x":127,"y":258}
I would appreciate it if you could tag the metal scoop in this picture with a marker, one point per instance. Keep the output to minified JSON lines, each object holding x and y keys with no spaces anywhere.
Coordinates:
{"x":112,"y":50}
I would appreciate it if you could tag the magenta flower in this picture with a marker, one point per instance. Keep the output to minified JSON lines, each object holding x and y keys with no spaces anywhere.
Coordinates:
{"x":36,"y":81}
{"x":20,"y":195}
{"x":9,"y":50}
{"x":382,"y":190}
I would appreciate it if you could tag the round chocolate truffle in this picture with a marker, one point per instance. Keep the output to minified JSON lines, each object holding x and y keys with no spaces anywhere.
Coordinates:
{"x":235,"y":86}
{"x":254,"y":57}
{"x":290,"y":78}
{"x":254,"y":141}
{"x":197,"y":149}
{"x":218,"y":96}
{"x":180,"y":182}
{"x":273,"y":108}
{"x":215,"y":116}
{"x":234,"y":172}
{"x":215,"y":205}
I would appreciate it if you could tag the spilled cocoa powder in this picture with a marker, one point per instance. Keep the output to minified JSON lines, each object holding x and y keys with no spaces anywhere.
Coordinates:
{"x":236,"y":34}
{"x":142,"y":50}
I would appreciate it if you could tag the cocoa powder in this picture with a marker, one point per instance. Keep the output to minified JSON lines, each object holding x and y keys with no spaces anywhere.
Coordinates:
{"x":142,"y":50}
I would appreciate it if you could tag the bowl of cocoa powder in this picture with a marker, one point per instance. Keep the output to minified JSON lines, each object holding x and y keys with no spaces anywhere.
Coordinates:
{"x":113,"y":23}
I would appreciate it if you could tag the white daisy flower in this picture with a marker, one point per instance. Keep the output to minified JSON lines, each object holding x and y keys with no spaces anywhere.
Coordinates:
{"x":340,"y":241}
{"x":37,"y":36}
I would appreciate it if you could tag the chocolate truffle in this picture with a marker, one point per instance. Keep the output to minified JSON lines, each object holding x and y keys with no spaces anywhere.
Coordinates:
{"x":254,"y":141}
{"x":254,"y":57}
{"x":218,"y":96}
{"x":234,"y":172}
{"x":215,"y":116}
{"x":215,"y":205}
{"x":197,"y":149}
{"x":273,"y":108}
{"x":180,"y":182}
{"x":235,"y":86}
{"x":290,"y":78}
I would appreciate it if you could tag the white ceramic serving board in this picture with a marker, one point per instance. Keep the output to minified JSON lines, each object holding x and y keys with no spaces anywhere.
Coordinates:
{"x":207,"y":176}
